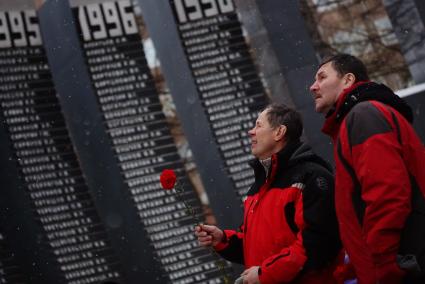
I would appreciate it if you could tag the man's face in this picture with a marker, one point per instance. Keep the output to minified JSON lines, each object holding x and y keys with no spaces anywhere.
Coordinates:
{"x":326,"y":88}
{"x":263,"y":142}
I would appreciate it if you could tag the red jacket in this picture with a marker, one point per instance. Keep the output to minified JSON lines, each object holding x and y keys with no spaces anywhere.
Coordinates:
{"x":289,"y":227}
{"x":379,"y":162}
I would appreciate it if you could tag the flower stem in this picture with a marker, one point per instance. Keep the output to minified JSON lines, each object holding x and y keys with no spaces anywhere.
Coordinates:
{"x":191,"y":211}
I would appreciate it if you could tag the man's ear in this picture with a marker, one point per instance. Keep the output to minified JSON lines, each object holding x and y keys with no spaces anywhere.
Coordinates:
{"x":349,"y":79}
{"x":280,"y":133}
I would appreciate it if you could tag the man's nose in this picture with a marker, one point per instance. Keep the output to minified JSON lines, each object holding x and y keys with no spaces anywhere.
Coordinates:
{"x":251,"y":132}
{"x":313,"y":87}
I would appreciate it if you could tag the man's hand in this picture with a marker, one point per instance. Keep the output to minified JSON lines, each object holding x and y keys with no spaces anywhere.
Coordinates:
{"x":250,"y":275}
{"x":208,"y":235}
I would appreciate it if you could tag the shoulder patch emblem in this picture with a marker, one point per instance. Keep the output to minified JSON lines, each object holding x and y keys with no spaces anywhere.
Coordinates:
{"x":298,"y":185}
{"x":322,"y":183}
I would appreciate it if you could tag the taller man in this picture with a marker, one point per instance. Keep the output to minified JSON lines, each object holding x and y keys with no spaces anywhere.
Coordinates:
{"x":380,"y":164}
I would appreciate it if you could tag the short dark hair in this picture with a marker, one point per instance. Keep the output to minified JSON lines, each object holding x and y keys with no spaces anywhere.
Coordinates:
{"x":279,"y":114}
{"x":346,"y":63}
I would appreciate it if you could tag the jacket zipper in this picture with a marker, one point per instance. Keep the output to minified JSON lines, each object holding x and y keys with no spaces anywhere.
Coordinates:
{"x":246,"y":216}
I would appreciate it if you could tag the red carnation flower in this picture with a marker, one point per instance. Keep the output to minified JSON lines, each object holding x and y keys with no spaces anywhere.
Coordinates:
{"x":168,"y":179}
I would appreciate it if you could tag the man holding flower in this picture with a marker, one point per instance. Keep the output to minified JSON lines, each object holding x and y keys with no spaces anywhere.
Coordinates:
{"x":289,"y":232}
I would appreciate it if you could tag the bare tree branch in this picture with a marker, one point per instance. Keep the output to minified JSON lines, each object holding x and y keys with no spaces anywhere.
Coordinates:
{"x":352,"y":25}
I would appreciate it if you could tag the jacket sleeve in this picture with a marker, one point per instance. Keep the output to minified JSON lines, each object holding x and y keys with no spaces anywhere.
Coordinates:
{"x":314,"y":246}
{"x":385,"y":186}
{"x":231,"y":247}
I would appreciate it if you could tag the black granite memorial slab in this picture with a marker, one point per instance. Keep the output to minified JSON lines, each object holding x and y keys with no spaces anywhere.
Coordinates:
{"x":228,"y":85}
{"x":125,"y":142}
{"x":51,"y":214}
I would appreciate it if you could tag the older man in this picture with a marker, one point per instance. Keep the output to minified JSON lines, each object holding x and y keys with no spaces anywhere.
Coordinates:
{"x":289,"y":232}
